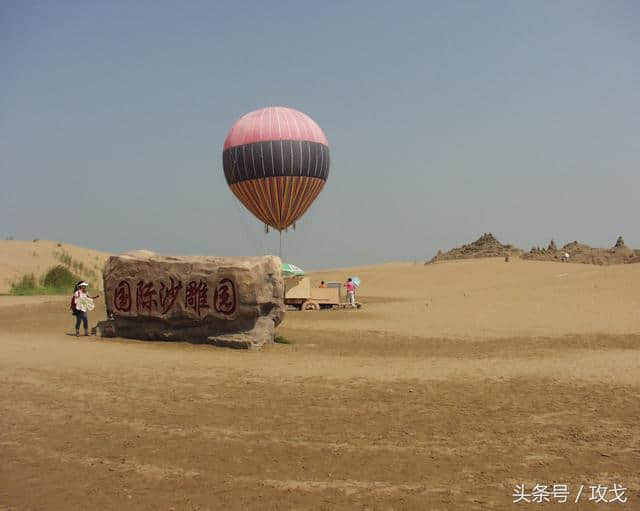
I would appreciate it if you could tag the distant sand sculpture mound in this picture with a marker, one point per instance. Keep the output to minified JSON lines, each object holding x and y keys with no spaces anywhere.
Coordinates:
{"x":581,"y":253}
{"x":485,"y":246}
{"x":488,"y":246}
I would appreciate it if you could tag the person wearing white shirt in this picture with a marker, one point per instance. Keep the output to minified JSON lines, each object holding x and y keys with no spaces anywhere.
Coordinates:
{"x":81,"y":303}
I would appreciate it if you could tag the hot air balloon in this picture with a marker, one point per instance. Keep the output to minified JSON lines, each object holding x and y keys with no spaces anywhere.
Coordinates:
{"x":276,"y":161}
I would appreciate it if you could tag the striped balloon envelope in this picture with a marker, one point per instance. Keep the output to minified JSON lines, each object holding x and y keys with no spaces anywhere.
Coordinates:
{"x":276,"y":161}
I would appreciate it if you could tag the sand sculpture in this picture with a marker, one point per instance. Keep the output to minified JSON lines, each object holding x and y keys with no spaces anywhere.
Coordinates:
{"x":485,"y":246}
{"x":488,"y":246}
{"x":620,"y":253}
{"x":225,"y":301}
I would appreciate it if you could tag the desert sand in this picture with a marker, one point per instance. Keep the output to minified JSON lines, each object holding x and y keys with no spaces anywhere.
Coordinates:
{"x":455,"y":382}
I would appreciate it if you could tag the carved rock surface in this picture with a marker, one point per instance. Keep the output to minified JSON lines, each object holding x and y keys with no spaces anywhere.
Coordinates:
{"x":226,"y":301}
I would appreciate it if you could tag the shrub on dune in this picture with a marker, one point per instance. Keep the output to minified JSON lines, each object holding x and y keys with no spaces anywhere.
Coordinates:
{"x":60,"y":278}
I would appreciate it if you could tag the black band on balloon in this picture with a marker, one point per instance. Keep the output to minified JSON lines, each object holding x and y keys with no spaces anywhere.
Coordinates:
{"x":276,"y":158}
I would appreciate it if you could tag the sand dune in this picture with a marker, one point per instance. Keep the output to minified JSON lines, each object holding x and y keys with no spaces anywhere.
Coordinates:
{"x":18,"y":258}
{"x":488,"y":298}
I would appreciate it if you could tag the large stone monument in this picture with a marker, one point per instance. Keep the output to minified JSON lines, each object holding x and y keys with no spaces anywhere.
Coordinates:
{"x":226,"y":301}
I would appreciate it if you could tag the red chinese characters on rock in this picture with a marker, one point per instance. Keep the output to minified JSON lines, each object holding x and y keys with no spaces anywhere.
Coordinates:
{"x":224,"y":297}
{"x":196,"y":296}
{"x":168,"y":294}
{"x":122,"y":297}
{"x":145,"y":297}
{"x":158,"y":298}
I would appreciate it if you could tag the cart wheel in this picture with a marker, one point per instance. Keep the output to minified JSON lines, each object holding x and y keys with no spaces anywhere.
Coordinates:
{"x":310,"y":306}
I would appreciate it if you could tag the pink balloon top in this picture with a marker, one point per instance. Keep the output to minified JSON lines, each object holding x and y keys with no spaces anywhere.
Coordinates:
{"x":274,"y":123}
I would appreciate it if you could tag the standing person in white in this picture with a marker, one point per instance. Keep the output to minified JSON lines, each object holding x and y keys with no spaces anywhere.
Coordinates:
{"x":81,"y":303}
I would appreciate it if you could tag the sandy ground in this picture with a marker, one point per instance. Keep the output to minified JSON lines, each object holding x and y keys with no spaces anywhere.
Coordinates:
{"x":18,"y":258}
{"x":454,"y":383}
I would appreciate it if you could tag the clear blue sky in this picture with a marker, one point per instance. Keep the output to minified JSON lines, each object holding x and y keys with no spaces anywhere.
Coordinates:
{"x":445,"y":120}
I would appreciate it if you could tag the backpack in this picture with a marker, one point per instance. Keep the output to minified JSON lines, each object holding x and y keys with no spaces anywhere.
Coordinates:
{"x":72,"y":306}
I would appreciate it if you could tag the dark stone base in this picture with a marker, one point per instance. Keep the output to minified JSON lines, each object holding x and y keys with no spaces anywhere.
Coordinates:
{"x":262,"y":332}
